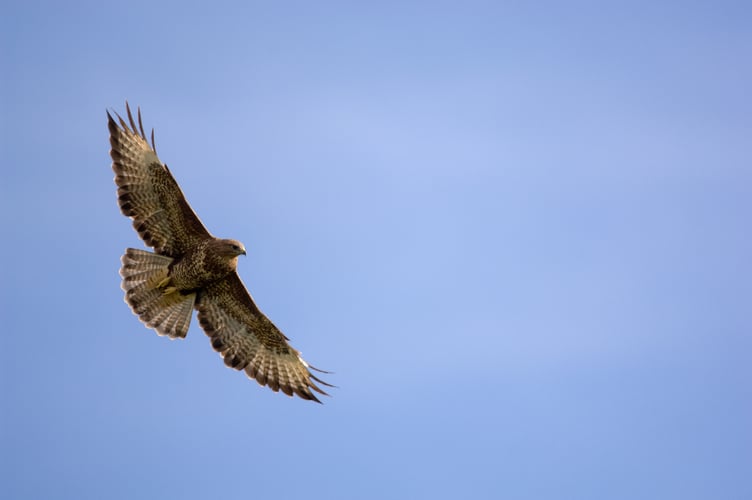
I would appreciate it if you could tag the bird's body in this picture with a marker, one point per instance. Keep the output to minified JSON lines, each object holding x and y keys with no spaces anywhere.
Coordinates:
{"x":204,"y":263}
{"x":190,"y":269}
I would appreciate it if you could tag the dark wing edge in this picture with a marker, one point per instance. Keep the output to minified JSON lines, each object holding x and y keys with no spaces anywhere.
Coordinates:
{"x":147,"y":191}
{"x":247,"y":340}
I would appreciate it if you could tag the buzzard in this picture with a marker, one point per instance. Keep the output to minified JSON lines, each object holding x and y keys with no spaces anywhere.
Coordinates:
{"x":190,"y":269}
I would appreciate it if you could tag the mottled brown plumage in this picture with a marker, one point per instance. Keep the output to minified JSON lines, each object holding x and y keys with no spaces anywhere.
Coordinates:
{"x":192,"y":269}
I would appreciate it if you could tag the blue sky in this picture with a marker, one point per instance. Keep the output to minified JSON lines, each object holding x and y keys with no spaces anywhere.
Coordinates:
{"x":517,"y":232}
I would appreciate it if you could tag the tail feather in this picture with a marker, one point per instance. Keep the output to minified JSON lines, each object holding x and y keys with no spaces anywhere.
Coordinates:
{"x":168,"y":313}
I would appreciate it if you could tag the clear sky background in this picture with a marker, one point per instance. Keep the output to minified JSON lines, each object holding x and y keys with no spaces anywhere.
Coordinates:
{"x":518,"y":233}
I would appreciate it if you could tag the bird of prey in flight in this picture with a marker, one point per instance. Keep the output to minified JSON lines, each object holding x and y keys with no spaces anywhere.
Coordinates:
{"x":191,"y":269}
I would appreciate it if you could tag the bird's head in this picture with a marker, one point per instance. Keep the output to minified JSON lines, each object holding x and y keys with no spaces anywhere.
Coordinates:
{"x":224,"y":253}
{"x":230,"y":248}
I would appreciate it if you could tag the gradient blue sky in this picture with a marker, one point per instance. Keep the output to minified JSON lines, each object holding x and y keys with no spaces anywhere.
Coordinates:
{"x":518,"y":233}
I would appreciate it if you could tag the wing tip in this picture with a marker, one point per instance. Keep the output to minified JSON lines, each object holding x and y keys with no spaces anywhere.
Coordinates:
{"x":300,"y":387}
{"x":136,"y":125}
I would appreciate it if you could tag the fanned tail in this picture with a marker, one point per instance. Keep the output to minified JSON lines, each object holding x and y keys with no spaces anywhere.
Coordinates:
{"x":144,"y":277}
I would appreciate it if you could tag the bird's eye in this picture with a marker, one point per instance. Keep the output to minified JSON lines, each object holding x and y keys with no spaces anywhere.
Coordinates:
{"x":235,"y":247}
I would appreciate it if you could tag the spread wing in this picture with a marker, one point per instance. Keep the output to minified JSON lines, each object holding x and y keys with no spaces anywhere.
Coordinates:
{"x":248,"y":340}
{"x":148,"y":193}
